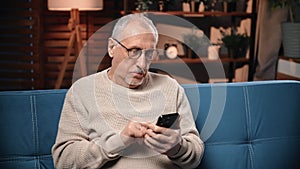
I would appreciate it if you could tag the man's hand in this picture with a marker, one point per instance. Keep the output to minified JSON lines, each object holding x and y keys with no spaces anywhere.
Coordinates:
{"x":132,"y":131}
{"x":163,"y":140}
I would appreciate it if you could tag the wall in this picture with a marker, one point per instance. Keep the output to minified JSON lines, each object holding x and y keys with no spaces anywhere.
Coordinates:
{"x":33,"y":42}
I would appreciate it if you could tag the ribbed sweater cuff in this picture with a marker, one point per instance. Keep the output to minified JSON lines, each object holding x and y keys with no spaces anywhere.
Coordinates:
{"x":182,"y":150}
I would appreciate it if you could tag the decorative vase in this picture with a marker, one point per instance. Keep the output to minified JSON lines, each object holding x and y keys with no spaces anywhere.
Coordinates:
{"x":160,"y":6}
{"x":225,"y":6}
{"x":291,"y":39}
{"x":192,"y":6}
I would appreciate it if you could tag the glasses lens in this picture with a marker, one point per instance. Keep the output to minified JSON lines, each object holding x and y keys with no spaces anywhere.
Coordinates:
{"x":151,"y":54}
{"x":135,"y":53}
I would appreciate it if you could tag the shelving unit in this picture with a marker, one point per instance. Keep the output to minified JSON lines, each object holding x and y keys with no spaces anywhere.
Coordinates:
{"x":198,"y":14}
{"x":233,"y":15}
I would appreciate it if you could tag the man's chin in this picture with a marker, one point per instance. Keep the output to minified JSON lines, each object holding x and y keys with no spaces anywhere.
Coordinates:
{"x":134,"y":83}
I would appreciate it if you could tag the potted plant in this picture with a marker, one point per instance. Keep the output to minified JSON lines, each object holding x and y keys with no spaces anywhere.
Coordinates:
{"x":143,"y":5}
{"x":236,"y":44}
{"x":291,"y":28}
{"x":196,"y":43}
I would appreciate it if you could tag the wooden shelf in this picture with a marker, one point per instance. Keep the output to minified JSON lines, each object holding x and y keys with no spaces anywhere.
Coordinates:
{"x":196,"y":14}
{"x":194,"y":61}
{"x":282,"y":76}
{"x":202,"y":60}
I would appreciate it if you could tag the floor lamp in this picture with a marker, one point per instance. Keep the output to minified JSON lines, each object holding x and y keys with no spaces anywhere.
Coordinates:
{"x":75,"y":40}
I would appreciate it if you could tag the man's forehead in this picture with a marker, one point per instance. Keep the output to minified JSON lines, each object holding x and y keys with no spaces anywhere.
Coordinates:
{"x":132,"y":30}
{"x":138,"y":35}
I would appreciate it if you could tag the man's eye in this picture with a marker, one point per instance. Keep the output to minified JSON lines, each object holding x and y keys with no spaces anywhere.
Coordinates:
{"x":135,"y":51}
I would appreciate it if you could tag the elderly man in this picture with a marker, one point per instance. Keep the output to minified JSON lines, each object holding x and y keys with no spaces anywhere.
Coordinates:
{"x":109,"y":118}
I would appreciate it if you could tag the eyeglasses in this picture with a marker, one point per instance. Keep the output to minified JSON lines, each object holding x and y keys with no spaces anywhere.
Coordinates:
{"x":135,"y":53}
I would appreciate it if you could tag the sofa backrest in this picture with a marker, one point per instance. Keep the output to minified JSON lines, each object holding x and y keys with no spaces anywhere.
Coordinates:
{"x":252,"y":125}
{"x":28,"y":127}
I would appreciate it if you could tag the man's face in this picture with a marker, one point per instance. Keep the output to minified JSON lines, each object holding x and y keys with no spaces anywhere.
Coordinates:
{"x":127,"y":71}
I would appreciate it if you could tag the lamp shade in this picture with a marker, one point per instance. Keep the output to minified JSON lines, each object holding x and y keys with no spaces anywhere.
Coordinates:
{"x":82,"y":5}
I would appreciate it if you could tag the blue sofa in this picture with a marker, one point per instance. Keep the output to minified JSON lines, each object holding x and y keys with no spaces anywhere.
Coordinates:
{"x":250,"y":125}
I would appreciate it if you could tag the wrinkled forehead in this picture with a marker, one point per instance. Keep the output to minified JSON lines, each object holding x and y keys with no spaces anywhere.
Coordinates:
{"x":134,"y":28}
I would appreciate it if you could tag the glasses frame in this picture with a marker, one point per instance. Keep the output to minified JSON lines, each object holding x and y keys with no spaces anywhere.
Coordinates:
{"x":137,"y":56}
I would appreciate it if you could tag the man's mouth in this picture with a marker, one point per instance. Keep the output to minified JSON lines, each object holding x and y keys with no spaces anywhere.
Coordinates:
{"x":138,"y":75}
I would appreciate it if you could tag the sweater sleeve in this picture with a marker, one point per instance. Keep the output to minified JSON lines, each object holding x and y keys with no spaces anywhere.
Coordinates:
{"x":75,"y":149}
{"x":192,"y":148}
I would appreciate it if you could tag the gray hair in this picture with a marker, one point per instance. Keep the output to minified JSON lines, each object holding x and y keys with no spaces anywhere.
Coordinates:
{"x":140,"y":19}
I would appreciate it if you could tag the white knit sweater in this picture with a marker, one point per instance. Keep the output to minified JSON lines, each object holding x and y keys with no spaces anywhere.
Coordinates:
{"x":96,"y":110}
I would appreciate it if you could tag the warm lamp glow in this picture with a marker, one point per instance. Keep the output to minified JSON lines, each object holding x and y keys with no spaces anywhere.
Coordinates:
{"x":75,"y":40}
{"x":82,"y":5}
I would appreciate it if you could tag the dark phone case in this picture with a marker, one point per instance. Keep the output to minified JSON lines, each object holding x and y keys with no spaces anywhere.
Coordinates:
{"x":167,"y":120}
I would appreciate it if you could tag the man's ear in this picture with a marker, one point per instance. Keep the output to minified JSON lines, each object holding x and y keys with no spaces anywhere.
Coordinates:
{"x":110,"y":47}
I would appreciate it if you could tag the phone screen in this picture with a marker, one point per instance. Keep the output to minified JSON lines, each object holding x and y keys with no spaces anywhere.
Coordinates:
{"x":167,"y":120}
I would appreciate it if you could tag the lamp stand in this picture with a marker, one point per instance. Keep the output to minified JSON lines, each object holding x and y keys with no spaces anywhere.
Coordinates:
{"x":75,"y":41}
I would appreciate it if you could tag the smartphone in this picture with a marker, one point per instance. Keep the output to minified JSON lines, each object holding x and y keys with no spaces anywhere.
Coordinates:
{"x":167,"y":120}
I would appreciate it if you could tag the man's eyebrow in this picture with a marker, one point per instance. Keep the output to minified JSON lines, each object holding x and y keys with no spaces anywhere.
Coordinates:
{"x":135,"y":47}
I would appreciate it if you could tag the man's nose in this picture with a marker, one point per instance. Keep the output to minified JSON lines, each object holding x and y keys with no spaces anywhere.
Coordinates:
{"x":142,"y":61}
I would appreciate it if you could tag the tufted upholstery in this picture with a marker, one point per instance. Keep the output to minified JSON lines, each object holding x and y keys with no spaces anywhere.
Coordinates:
{"x":28,"y":126}
{"x":259,"y":127}
{"x":252,"y":125}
